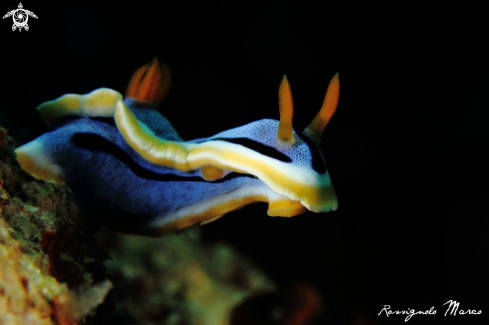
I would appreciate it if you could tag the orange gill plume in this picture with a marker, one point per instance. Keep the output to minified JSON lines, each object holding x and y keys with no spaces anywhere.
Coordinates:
{"x":150,"y":82}
{"x":316,"y":128}
{"x":286,"y":106}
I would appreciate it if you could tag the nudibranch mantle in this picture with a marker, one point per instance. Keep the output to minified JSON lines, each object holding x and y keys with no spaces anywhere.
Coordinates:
{"x":295,"y":180}
{"x":129,"y":170}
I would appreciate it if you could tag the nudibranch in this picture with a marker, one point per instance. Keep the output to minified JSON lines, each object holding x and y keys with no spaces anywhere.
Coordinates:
{"x":130,"y":171}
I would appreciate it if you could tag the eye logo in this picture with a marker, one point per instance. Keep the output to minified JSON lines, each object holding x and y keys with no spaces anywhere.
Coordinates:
{"x":20,"y":17}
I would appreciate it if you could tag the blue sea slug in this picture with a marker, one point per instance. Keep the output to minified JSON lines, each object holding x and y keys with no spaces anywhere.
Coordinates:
{"x":130,"y":171}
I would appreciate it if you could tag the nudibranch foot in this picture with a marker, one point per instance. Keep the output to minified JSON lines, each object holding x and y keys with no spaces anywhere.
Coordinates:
{"x":280,"y":206}
{"x":245,"y":190}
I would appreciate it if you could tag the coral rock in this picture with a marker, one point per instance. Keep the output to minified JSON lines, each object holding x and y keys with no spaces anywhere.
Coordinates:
{"x":29,"y":297}
{"x":47,"y":262}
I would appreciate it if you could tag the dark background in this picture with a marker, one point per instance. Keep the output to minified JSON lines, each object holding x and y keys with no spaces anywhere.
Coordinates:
{"x":407,"y":149}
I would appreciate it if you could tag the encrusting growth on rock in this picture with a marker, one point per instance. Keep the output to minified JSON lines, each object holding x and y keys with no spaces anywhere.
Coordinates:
{"x":47,"y":263}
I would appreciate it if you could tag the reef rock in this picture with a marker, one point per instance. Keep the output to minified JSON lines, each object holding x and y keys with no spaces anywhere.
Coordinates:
{"x":27,"y":296}
{"x":47,"y":262}
{"x":178,"y":279}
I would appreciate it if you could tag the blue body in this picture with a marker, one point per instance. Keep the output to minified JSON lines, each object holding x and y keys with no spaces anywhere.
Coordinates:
{"x":108,"y":191}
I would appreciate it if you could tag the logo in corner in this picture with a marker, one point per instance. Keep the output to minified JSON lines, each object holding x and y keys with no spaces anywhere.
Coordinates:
{"x":20,"y":17}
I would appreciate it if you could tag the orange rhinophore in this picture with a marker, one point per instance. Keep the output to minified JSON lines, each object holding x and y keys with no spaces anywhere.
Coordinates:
{"x":318,"y":124}
{"x":286,"y":106}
